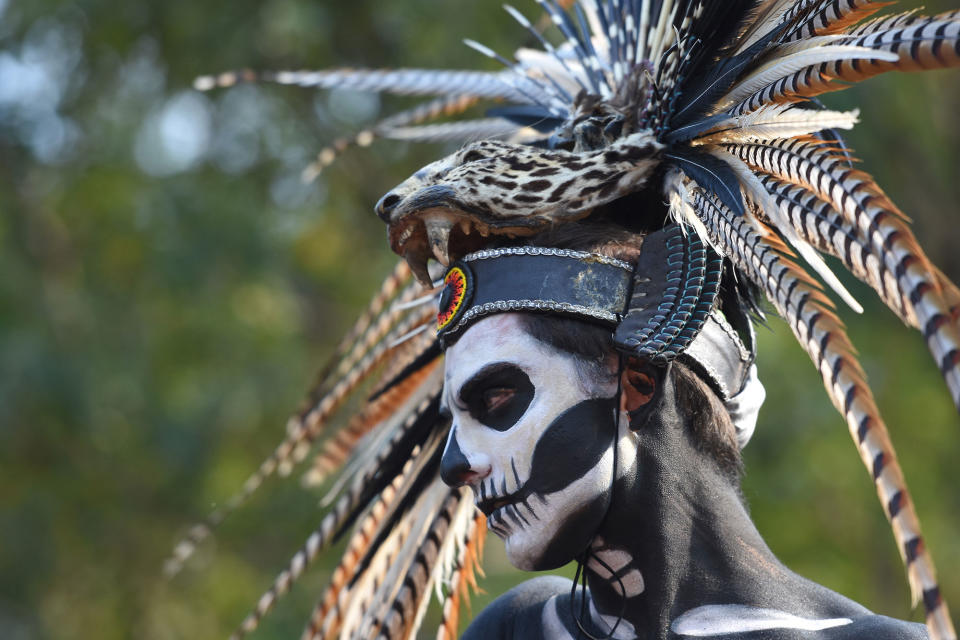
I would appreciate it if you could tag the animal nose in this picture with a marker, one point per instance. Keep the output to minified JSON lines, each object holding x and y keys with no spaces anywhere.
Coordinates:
{"x":455,"y":468}
{"x":386,"y":205}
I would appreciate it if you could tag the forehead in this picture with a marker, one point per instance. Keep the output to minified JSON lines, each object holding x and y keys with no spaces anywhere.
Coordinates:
{"x":497,"y":338}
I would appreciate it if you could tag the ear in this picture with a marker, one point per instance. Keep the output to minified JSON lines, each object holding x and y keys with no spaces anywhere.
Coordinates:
{"x":640,"y":385}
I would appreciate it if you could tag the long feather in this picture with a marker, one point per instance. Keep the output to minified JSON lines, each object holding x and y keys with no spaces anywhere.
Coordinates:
{"x":824,"y":227}
{"x":786,"y":66}
{"x":853,"y":193}
{"x":820,"y":332}
{"x":761,"y":198}
{"x":366,"y":354}
{"x":341,"y":445}
{"x":918,"y":42}
{"x":777,"y":121}
{"x":345,"y":570}
{"x":463,"y":576}
{"x":406,"y":82}
{"x":831,"y":16}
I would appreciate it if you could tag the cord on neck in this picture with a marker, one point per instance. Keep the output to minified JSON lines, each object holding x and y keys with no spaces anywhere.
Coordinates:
{"x":584,"y":558}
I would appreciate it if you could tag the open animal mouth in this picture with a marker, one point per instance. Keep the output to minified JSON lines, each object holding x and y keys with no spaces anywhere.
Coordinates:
{"x":445,"y":233}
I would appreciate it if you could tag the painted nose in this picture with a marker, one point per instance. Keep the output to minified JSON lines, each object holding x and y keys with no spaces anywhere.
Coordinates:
{"x":455,"y":469}
{"x":386,"y":205}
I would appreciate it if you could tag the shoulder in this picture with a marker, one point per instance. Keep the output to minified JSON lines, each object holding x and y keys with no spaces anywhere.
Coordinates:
{"x":517,"y":613}
{"x":877,"y":627}
{"x":766,"y":624}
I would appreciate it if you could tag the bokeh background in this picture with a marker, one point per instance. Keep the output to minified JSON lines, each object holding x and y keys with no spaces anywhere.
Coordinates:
{"x":169,"y":285}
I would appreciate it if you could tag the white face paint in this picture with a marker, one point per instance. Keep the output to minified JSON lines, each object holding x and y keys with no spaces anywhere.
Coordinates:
{"x":532,"y":441}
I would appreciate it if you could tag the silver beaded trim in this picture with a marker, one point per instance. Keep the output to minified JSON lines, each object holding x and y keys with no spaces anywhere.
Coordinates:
{"x":501,"y":306}
{"x":486,"y":254}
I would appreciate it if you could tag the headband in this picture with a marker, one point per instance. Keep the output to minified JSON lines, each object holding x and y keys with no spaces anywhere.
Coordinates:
{"x":661,"y":309}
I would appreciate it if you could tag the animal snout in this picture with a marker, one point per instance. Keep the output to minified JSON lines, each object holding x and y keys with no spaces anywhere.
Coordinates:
{"x":386,"y":205}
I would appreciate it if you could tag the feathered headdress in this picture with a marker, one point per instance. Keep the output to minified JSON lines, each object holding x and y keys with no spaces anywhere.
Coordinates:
{"x":697,"y":118}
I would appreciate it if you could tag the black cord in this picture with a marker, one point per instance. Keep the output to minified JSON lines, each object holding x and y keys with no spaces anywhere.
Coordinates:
{"x":584,"y":558}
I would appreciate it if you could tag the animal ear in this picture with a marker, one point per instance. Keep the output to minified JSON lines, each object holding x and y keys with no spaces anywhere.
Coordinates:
{"x":640,"y":385}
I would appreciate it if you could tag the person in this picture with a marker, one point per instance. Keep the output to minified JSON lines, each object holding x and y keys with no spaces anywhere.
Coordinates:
{"x":698,"y":124}
{"x":576,"y":452}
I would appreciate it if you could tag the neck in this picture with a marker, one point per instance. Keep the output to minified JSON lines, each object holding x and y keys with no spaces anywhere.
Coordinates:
{"x":675,"y":525}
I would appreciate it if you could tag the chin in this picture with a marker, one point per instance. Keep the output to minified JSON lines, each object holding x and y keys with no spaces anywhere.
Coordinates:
{"x":544,"y":548}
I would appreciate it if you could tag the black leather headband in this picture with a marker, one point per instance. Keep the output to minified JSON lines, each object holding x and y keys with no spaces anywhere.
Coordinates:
{"x":537,"y":279}
{"x":603,"y":289}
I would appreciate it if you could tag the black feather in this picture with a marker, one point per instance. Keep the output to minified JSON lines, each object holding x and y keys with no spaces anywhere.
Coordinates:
{"x":700,"y":95}
{"x":527,"y":116}
{"x":692,"y":130}
{"x":711,"y":173}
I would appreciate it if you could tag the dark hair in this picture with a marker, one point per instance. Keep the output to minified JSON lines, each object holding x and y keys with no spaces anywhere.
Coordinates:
{"x":592,"y":343}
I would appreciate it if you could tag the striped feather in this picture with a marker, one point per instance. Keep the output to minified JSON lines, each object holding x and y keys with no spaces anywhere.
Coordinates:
{"x":302,"y":430}
{"x":822,"y":17}
{"x":809,"y":314}
{"x":425,"y":495}
{"x":819,"y":168}
{"x":755,"y":192}
{"x":824,"y":227}
{"x":789,"y":65}
{"x":463,"y":577}
{"x":404,"y":82}
{"x":341,"y":445}
{"x":344,"y":572}
{"x":460,"y":132}
{"x":397,"y":456}
{"x":919,"y":43}
{"x":405,"y":613}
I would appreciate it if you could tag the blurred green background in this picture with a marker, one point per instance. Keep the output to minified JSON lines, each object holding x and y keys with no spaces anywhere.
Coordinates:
{"x":168,"y":287}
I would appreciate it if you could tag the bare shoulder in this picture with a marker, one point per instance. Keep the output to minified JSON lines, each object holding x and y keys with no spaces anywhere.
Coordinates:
{"x":517,"y":614}
{"x":737,"y":622}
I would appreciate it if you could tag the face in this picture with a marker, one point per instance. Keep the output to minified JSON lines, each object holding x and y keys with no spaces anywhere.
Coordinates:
{"x":533,"y":440}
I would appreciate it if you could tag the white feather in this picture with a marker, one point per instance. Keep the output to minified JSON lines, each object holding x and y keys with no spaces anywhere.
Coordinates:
{"x":777,"y":121}
{"x":766,"y":19}
{"x":681,"y":206}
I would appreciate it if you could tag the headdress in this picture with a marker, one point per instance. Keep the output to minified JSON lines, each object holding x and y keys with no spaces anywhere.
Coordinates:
{"x":707,"y":106}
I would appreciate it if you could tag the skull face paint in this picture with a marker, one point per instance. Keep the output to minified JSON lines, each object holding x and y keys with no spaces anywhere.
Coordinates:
{"x":531,"y":438}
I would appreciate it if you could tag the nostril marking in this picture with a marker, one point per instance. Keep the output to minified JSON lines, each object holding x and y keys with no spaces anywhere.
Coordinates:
{"x":386,"y":205}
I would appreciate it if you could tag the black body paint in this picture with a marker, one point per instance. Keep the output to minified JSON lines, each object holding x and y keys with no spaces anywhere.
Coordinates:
{"x":578,"y":437}
{"x":684,"y":525}
{"x":453,"y":465}
{"x":503,"y":382}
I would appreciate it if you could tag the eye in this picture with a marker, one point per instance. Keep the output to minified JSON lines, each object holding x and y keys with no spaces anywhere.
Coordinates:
{"x":642,"y":383}
{"x":498,"y":395}
{"x":496,"y":398}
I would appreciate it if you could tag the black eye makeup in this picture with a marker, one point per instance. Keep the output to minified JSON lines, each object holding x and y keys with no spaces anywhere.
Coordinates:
{"x":498,"y":395}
